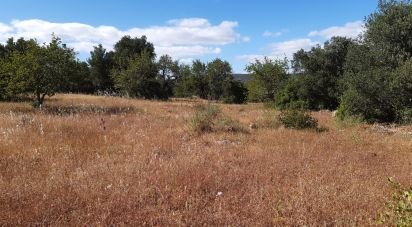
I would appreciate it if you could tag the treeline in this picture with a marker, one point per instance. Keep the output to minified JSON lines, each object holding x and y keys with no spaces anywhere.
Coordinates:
{"x":368,"y":78}
{"x":29,"y":69}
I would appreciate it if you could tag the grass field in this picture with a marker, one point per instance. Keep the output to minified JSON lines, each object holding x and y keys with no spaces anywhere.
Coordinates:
{"x":89,"y":160}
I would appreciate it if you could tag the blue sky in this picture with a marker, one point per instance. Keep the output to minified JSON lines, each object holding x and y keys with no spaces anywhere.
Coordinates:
{"x":237,"y":31}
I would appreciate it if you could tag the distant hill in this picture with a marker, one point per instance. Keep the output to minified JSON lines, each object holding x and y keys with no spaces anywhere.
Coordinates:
{"x":242,"y":77}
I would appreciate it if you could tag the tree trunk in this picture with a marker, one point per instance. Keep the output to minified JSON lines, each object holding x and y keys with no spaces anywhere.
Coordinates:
{"x":38,"y":98}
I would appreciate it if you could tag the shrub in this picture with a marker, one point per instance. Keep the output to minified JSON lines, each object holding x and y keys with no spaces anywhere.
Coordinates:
{"x":297,"y":119}
{"x":270,"y":119}
{"x":406,"y":116}
{"x":235,"y":93}
{"x":203,"y":118}
{"x":399,"y":209}
{"x":208,"y":118}
{"x":227,"y":124}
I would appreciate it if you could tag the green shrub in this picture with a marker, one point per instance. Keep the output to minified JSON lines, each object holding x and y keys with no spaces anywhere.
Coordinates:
{"x":297,"y":119}
{"x":399,"y":209}
{"x":406,"y":116}
{"x":227,"y":124}
{"x":204,"y":118}
{"x":208,"y":118}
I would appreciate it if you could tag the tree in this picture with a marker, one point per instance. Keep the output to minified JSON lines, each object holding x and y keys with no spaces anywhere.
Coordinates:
{"x":235,"y":92}
{"x":38,"y":69}
{"x":127,"y":48}
{"x":268,"y":75}
{"x":218,"y":74}
{"x":168,"y":74}
{"x":78,"y":78}
{"x":101,"y":63}
{"x":192,"y":80}
{"x":388,"y":31}
{"x":200,"y":80}
{"x":139,"y":78}
{"x":377,"y":79}
{"x":319,"y":71}
{"x":185,"y":83}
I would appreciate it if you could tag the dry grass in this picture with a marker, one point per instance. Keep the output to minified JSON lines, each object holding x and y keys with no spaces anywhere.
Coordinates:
{"x":144,"y":167}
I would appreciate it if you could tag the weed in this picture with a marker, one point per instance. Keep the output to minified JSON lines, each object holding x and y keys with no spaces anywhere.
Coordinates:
{"x":297,"y":119}
{"x":399,"y":209}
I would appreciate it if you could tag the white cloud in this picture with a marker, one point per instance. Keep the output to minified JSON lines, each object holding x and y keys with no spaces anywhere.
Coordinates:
{"x":350,"y":30}
{"x":280,"y":50}
{"x":186,"y":51}
{"x":246,"y":39}
{"x":252,"y":57}
{"x":189,"y":37}
{"x":288,"y":48}
{"x":272,"y":34}
{"x":5,"y":31}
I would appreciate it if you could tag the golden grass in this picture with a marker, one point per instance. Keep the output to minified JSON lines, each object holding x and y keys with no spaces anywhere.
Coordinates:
{"x":146,"y":168}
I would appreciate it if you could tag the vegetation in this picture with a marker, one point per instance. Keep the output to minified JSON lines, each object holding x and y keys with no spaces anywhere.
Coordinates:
{"x":297,"y":119}
{"x":120,"y":159}
{"x":399,"y":209}
{"x":115,"y":161}
{"x":209,"y":118}
{"x":268,"y":77}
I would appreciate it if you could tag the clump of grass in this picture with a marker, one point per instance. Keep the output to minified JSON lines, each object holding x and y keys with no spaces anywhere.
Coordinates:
{"x":297,"y":119}
{"x":227,"y":124}
{"x":208,"y":118}
{"x":268,"y":120}
{"x":203,"y":118}
{"x":399,"y":209}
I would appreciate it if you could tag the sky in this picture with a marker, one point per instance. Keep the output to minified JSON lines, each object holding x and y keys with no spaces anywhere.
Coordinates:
{"x":238,"y":31}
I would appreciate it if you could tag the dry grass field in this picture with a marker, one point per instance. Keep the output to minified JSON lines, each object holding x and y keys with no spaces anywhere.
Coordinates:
{"x":89,"y":160}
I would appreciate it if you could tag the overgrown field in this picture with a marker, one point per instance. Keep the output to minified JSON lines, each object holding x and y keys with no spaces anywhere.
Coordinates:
{"x":88,"y":160}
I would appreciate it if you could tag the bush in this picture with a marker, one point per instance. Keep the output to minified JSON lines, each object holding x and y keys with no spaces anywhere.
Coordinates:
{"x":270,"y":119}
{"x":399,"y":209}
{"x":203,"y":118}
{"x":297,"y":119}
{"x":406,"y":116}
{"x":208,"y":118}
{"x":235,"y":92}
{"x":227,"y":124}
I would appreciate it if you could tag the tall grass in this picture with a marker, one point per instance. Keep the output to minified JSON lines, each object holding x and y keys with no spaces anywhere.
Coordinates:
{"x":145,"y":168}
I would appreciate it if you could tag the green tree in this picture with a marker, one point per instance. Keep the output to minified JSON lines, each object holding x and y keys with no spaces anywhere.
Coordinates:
{"x":168,"y":74}
{"x":101,"y":63}
{"x":78,"y":78}
{"x":185,"y":84}
{"x":269,"y":76}
{"x":127,"y":48}
{"x":200,"y":79}
{"x":139,"y":78}
{"x":193,"y":81}
{"x":319,"y":71}
{"x":377,"y":79}
{"x":39,"y":70}
{"x":388,"y":31}
{"x":219,"y":73}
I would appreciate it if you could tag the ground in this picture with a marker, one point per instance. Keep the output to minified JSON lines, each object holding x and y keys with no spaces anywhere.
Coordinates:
{"x":88,"y":160}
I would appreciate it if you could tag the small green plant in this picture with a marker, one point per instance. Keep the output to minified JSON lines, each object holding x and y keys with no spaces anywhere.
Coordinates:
{"x":208,"y":118}
{"x":297,"y":119}
{"x":399,"y":209}
{"x":229,"y":125}
{"x":406,"y":116}
{"x":203,"y":118}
